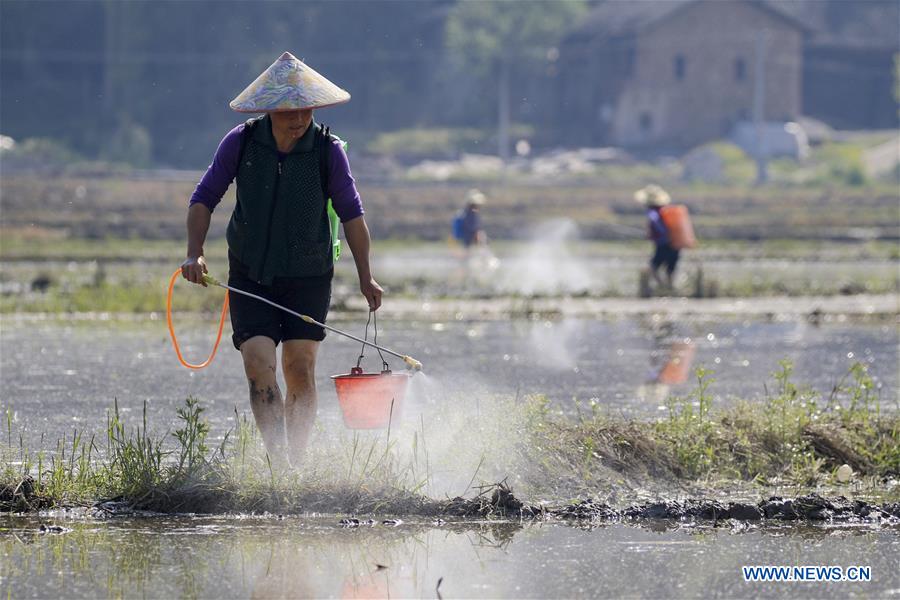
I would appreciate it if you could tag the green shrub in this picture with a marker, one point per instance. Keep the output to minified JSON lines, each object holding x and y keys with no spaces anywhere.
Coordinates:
{"x":841,"y":163}
{"x":447,"y":143}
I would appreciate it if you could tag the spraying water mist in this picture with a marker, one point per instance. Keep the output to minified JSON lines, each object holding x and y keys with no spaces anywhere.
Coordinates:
{"x":555,"y":345}
{"x":547,"y":265}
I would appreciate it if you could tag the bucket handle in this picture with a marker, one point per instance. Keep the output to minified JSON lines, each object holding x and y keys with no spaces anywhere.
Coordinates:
{"x":385,"y":367}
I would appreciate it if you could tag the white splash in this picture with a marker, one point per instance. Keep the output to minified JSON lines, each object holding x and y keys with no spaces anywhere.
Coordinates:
{"x":555,"y":344}
{"x":547,"y":265}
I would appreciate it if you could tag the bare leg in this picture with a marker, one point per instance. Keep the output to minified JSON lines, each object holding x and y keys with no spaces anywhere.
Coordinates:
{"x":265,"y":397}
{"x":301,"y":400}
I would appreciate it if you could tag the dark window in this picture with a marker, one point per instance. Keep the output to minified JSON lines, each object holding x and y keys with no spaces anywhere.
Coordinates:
{"x":740,"y":69}
{"x":646,"y":121}
{"x":680,"y":67}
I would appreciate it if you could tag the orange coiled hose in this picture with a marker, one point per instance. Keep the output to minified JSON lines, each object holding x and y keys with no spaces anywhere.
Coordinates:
{"x":212,"y":355}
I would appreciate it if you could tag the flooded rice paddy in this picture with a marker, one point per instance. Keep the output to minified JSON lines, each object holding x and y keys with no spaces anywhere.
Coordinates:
{"x":293,"y":557}
{"x":60,"y":375}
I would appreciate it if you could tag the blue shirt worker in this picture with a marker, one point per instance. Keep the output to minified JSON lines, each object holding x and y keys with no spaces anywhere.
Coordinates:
{"x":472,"y":233}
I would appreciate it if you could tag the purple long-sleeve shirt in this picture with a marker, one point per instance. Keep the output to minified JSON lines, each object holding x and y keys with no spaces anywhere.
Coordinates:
{"x":658,"y":232}
{"x":221,"y":172}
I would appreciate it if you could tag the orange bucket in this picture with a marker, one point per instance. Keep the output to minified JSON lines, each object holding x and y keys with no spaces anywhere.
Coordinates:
{"x":370,"y":400}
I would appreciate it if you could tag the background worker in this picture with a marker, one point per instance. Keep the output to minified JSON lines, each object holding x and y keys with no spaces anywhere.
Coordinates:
{"x":653,"y":197}
{"x":472,"y":232}
{"x":285,"y":166}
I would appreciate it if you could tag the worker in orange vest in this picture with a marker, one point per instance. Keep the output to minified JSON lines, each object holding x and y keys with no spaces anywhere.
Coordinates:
{"x":669,"y":227}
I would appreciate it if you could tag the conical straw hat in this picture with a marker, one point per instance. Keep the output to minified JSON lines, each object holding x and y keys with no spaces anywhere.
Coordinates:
{"x":652,"y":195}
{"x":475,"y":198}
{"x":288,"y":84}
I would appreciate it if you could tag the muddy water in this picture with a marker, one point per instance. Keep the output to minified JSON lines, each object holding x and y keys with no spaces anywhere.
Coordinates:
{"x":59,"y":375}
{"x":263,"y":557}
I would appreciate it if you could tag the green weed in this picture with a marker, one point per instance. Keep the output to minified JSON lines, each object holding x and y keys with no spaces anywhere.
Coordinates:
{"x":690,"y":431}
{"x":794,"y":436}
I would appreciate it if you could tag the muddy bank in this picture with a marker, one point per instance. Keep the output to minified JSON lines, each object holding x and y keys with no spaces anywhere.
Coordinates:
{"x":811,"y":507}
{"x":813,"y":308}
{"x":424,"y":210}
{"x":498,"y":501}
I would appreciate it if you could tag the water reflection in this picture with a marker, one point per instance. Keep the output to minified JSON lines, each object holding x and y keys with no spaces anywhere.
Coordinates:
{"x":255,"y":557}
{"x":294,"y":557}
{"x":671,"y":360}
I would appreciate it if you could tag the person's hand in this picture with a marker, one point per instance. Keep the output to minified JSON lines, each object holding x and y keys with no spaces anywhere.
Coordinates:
{"x":193,"y":269}
{"x":372,"y":291}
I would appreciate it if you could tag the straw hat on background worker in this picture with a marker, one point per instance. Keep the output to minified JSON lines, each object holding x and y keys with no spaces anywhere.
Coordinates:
{"x":475,"y":198}
{"x":652,"y":195}
{"x":288,"y":84}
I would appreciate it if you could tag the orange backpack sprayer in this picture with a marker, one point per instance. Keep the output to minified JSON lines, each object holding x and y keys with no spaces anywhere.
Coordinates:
{"x":678,"y":223}
{"x":368,"y":400}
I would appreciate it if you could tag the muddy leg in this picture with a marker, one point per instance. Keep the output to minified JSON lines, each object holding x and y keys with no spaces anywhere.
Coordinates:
{"x":301,"y":400}
{"x":654,"y":271}
{"x":265,"y":397}
{"x":670,"y":280}
{"x":670,"y":271}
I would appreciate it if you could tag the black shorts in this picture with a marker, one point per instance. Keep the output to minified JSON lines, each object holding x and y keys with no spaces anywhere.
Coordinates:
{"x":309,"y":296}
{"x":665,"y":255}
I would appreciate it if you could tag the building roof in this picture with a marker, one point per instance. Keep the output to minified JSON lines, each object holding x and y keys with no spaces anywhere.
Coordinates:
{"x":615,"y":18}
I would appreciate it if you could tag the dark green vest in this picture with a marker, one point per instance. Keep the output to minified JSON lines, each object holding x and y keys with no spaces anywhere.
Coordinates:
{"x":279,"y":227}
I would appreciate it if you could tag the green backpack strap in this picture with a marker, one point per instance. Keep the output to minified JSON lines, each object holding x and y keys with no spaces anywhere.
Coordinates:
{"x":335,"y":222}
{"x":324,"y":169}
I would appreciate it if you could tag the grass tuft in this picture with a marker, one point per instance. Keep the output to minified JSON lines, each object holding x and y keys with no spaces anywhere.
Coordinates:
{"x":793,"y":437}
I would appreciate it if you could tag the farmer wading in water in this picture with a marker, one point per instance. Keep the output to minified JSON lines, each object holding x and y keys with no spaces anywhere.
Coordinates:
{"x":279,"y":240}
{"x":666,"y":254}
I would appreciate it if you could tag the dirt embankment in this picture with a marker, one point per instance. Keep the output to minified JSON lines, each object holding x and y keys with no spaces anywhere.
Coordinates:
{"x":811,"y":507}
{"x":138,"y":208}
{"x":814,"y":308}
{"x":499,"y":502}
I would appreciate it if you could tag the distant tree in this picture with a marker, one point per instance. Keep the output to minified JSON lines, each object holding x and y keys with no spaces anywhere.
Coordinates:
{"x":491,"y":37}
